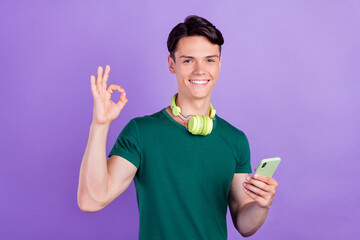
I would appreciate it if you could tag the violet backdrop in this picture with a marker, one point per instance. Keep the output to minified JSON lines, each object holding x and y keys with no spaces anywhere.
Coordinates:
{"x":289,"y":80}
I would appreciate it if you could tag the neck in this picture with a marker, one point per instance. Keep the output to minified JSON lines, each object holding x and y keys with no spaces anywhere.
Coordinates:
{"x":194,"y":106}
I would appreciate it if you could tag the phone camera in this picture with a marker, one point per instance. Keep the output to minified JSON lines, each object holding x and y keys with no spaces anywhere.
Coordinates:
{"x":263,"y":165}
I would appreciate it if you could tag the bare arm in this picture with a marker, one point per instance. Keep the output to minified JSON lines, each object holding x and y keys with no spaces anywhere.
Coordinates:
{"x":249,"y":204}
{"x":101,"y":181}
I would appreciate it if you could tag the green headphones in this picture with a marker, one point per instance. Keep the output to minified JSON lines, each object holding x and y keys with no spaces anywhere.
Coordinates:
{"x":197,"y":125}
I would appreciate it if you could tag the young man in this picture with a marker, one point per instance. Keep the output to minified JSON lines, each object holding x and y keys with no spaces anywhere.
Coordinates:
{"x":187,"y":163}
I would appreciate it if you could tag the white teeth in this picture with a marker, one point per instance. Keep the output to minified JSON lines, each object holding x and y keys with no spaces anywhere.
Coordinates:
{"x":198,"y":81}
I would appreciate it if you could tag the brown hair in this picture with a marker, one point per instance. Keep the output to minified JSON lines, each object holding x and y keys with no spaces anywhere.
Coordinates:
{"x":193,"y":26}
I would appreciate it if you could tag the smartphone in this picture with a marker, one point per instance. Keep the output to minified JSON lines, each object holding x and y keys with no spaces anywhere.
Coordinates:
{"x":267,"y":166}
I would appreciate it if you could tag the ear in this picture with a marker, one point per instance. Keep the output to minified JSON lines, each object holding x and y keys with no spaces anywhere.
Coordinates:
{"x":171,"y":64}
{"x":220,"y":61}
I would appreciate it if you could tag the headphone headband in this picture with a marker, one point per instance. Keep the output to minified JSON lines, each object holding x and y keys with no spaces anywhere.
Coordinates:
{"x":176,"y":110}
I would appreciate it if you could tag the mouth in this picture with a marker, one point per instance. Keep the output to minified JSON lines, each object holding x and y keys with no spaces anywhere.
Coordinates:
{"x":199,"y":82}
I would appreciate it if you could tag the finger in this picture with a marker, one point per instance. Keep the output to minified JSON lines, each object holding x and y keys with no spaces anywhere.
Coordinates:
{"x":254,"y":189}
{"x":114,"y":87}
{"x":106,"y":76}
{"x":262,"y":178}
{"x":99,"y":79}
{"x":122,"y":102}
{"x":267,"y":180}
{"x":274,"y":182}
{"x":261,"y":201}
{"x":252,"y":195}
{"x":93,"y":86}
{"x":123,"y":98}
{"x":260,"y":185}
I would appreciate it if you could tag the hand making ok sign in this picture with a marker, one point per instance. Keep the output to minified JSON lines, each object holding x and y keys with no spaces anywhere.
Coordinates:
{"x":105,"y":110}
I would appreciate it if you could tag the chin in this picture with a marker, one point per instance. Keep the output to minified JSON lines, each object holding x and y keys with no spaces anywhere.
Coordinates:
{"x":200,"y":95}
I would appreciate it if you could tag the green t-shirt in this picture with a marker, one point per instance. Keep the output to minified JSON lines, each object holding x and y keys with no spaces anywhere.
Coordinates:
{"x":183,"y":180}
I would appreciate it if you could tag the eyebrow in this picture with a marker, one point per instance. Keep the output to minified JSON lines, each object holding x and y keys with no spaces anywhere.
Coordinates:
{"x":211,"y":56}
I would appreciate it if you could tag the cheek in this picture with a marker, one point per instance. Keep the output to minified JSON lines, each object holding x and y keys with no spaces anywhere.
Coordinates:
{"x":183,"y":71}
{"x":215,"y":70}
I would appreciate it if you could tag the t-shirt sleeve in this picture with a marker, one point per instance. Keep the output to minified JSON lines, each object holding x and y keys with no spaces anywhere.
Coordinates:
{"x":243,"y":164}
{"x":127,"y":145}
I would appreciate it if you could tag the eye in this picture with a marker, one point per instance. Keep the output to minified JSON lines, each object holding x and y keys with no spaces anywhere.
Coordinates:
{"x":210,"y":60}
{"x":187,"y":61}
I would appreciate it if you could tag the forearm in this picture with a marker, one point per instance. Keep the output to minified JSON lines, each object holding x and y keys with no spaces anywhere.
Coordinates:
{"x":250,"y":218}
{"x":93,"y":177}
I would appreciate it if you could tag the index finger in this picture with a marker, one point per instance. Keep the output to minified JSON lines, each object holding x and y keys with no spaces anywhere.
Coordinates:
{"x":264,"y":178}
{"x":112,"y":87}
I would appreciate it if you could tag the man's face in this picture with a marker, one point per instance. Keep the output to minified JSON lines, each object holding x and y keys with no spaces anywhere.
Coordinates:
{"x":197,"y":66}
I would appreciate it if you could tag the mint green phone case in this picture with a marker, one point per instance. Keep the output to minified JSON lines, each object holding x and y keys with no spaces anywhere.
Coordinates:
{"x":267,"y":166}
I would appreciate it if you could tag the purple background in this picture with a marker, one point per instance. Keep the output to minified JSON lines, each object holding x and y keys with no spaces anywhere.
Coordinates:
{"x":289,"y":80}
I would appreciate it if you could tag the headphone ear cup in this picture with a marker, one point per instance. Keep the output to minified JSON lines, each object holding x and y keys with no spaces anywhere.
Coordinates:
{"x":203,"y":125}
{"x":176,"y":111}
{"x":212,"y":113}
{"x":200,"y":125}
{"x":210,"y":125}
{"x":194,"y":125}
{"x":207,"y":127}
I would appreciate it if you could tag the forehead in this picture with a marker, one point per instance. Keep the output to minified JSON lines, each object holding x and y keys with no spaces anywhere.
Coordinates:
{"x":196,"y":46}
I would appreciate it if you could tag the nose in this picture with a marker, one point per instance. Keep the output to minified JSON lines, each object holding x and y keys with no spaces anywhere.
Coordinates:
{"x":199,"y":68}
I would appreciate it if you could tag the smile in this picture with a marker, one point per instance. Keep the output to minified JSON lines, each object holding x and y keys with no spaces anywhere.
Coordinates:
{"x":199,"y":82}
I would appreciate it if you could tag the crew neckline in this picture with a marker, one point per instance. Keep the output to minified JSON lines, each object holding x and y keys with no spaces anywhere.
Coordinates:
{"x":182,"y":126}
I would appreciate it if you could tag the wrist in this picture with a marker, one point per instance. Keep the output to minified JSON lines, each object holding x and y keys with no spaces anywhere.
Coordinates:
{"x":97,"y":126}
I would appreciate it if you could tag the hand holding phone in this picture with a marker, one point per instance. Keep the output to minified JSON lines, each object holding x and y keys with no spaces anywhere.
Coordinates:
{"x":262,"y":187}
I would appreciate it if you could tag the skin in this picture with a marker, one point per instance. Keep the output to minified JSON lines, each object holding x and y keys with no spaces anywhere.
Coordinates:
{"x":101,"y":180}
{"x":195,"y":59}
